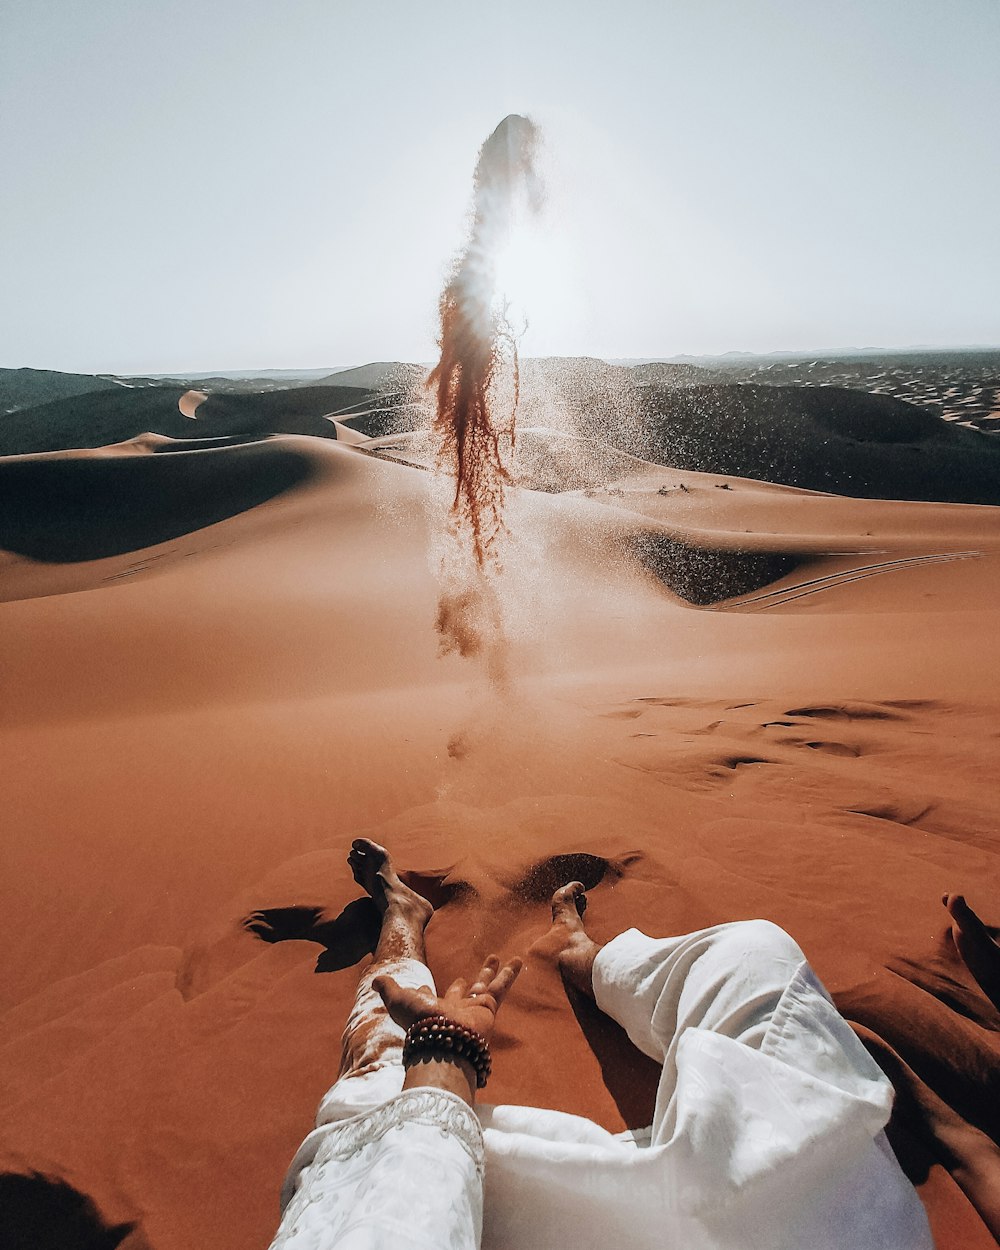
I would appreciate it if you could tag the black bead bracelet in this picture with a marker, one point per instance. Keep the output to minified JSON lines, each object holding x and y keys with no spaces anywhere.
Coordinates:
{"x":437,"y":1037}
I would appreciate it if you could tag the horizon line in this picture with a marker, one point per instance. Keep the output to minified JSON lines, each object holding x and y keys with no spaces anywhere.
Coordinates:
{"x":677,"y":358}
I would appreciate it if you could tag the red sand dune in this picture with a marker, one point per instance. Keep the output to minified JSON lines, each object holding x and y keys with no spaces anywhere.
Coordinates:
{"x":192,"y":732}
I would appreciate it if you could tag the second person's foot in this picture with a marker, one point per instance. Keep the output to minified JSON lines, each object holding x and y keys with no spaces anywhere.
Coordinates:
{"x":577,"y":949}
{"x":976,"y":946}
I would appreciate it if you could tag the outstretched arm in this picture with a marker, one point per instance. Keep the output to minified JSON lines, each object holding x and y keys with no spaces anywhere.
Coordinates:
{"x":471,"y":1006}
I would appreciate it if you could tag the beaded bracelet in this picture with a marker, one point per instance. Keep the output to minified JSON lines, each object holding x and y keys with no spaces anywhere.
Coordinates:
{"x":437,"y":1037}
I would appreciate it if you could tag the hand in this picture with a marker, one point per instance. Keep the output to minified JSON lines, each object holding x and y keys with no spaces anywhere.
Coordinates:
{"x":474,"y":1006}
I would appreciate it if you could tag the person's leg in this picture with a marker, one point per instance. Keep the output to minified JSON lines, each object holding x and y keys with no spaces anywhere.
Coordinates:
{"x":747,"y":981}
{"x":577,"y":949}
{"x":371,"y":1062}
{"x":371,"y":1069}
{"x":352,"y":1181}
{"x":768,"y":1107}
{"x":742,"y":970}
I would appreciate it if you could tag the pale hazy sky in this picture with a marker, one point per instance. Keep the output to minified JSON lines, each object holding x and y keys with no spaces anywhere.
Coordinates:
{"x":197,"y":184}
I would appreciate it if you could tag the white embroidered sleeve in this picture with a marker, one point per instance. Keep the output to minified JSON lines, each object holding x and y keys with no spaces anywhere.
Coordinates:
{"x":406,"y":1175}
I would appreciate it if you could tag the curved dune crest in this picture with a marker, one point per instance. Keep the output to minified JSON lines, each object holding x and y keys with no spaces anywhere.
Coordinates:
{"x":190,"y":402}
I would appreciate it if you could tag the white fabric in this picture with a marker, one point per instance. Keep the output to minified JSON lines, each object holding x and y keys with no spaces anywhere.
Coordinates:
{"x":385,"y":1168}
{"x":766,"y":1133}
{"x":406,"y":1175}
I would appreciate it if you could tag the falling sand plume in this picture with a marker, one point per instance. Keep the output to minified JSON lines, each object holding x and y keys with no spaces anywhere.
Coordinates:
{"x":474,"y":419}
{"x":476,"y":386}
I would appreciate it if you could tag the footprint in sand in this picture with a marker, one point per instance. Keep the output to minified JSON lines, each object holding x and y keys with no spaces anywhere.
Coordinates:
{"x":834,"y":748}
{"x":849,"y":711}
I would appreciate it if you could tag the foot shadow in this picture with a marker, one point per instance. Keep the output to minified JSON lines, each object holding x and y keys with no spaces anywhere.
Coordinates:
{"x":352,"y":935}
{"x":346,"y":939}
{"x":630,"y":1077}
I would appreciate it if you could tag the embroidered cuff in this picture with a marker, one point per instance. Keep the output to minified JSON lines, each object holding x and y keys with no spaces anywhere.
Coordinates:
{"x":433,"y":1108}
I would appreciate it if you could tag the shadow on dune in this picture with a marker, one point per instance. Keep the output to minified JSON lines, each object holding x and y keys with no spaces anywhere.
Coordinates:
{"x":346,"y":939}
{"x":352,"y":934}
{"x":65,"y":509}
{"x":630,"y":1077}
{"x":706,"y":575}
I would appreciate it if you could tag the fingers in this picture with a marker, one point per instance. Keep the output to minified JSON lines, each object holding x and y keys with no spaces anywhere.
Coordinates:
{"x":493,"y":980}
{"x":485,"y":975}
{"x":960,"y":911}
{"x":504,"y":979}
{"x":490,"y":986}
{"x":387,"y":989}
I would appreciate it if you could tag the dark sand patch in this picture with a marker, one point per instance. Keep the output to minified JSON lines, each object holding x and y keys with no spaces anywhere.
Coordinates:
{"x":706,"y":575}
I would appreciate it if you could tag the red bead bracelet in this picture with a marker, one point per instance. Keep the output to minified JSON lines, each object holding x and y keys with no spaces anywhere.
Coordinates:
{"x":437,"y":1037}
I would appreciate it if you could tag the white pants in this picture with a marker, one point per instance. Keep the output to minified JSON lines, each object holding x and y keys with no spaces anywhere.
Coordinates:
{"x":766,"y":1131}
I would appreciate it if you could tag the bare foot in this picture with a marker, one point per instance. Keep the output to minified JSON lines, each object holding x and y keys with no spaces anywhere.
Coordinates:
{"x":976,"y":946}
{"x":577,"y":950}
{"x":374,"y":872}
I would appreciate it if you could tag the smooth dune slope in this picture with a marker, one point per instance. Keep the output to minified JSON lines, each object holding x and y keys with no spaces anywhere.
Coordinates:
{"x":192,"y":732}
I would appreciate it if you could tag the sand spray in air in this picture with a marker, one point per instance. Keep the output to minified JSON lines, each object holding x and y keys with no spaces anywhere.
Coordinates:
{"x":476,"y":390}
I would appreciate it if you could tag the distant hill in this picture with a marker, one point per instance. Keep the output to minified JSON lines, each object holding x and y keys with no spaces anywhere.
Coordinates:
{"x":232,"y":382}
{"x":288,"y":377}
{"x":24,"y":388}
{"x":380,"y":375}
{"x":818,"y":438}
{"x":115,"y":414}
{"x":970,"y":357}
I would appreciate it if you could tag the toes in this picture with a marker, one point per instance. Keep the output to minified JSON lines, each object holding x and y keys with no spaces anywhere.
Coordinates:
{"x":963,"y":915}
{"x":365,"y":846}
{"x":368,"y":861}
{"x":567,"y":897}
{"x":953,"y":902}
